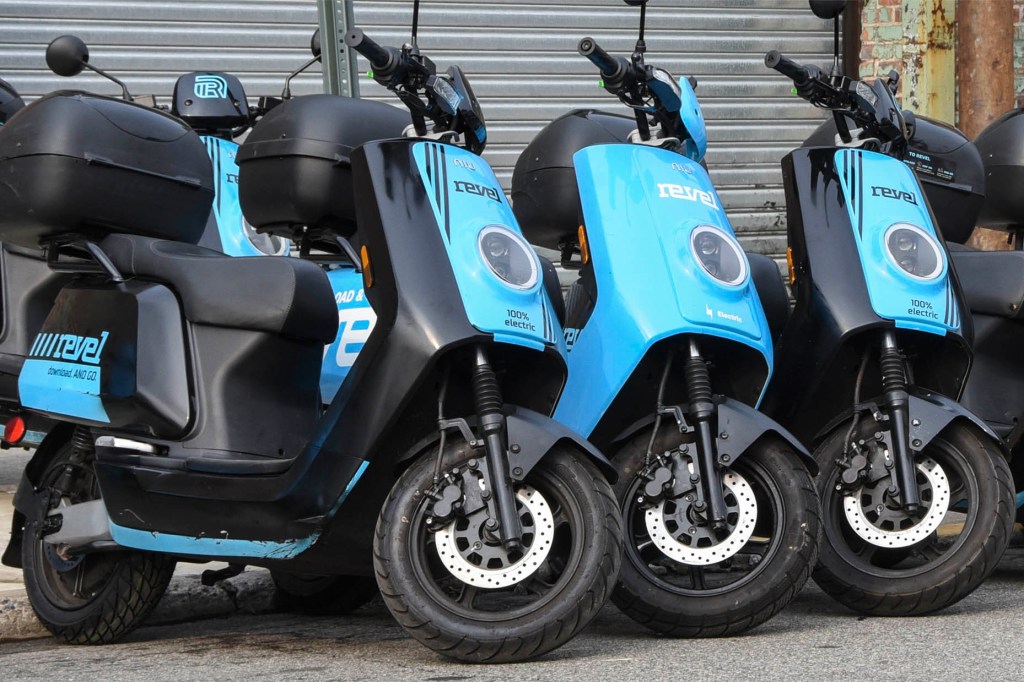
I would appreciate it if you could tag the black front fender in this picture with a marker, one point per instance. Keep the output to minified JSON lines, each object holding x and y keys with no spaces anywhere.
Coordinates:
{"x":930,"y":413}
{"x":740,"y":426}
{"x":532,"y":435}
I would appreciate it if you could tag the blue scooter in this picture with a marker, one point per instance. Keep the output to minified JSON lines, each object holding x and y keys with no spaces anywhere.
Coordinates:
{"x":915,"y":490}
{"x":669,"y":353}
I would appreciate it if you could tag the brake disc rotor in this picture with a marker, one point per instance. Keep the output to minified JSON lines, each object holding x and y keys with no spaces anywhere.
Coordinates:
{"x":878,"y":519}
{"x":478,"y":558}
{"x":683,"y":535}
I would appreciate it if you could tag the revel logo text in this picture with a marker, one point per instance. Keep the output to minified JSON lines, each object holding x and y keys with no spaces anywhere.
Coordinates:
{"x":668,"y":190}
{"x":478,"y":190}
{"x":209,"y":86}
{"x":69,"y":347}
{"x":890,"y":193}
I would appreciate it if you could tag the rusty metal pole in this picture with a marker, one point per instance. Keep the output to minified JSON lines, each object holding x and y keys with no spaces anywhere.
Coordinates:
{"x":984,"y":74}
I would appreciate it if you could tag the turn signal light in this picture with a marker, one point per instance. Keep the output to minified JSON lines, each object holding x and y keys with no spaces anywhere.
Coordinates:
{"x":364,"y":256}
{"x":789,"y":262}
{"x":14,"y":431}
{"x":584,"y":245}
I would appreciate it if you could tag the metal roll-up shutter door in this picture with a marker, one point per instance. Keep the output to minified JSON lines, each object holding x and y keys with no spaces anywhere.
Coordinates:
{"x":520,"y":56}
{"x":521,"y":59}
{"x":149,"y":43}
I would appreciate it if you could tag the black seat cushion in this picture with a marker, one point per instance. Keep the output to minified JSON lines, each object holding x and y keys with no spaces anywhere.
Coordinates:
{"x":993,"y":281}
{"x":771,"y":291}
{"x":275,"y":294}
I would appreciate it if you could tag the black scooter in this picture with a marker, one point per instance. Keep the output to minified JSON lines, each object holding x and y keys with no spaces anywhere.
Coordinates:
{"x":915,"y":490}
{"x":187,"y":382}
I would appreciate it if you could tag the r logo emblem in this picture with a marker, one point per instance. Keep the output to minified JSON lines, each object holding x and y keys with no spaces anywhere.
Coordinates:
{"x":209,"y":86}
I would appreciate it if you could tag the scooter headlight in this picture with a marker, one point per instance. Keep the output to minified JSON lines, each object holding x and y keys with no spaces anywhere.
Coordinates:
{"x":269,"y":244}
{"x":719,"y":254}
{"x":914,"y":251}
{"x":508,"y":256}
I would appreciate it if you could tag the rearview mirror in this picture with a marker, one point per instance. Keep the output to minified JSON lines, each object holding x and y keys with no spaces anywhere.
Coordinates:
{"x":67,"y":56}
{"x":314,"y":44}
{"x":827,"y":9}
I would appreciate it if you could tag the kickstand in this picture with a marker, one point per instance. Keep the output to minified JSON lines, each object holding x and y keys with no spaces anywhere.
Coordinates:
{"x":210,"y":577}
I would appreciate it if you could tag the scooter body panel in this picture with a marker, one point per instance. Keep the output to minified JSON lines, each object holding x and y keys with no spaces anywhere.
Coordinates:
{"x":882,"y":193}
{"x":829,"y":204}
{"x":356,"y":320}
{"x":466,"y":199}
{"x":641,"y":208}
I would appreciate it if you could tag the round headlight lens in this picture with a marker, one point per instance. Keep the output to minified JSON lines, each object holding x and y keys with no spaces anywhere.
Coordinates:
{"x":914,"y":251}
{"x":508,"y":256}
{"x":719,"y":254}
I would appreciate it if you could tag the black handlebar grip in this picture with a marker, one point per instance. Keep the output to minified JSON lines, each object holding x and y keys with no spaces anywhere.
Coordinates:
{"x":787,"y":67}
{"x":381,"y":59}
{"x":609,"y":66}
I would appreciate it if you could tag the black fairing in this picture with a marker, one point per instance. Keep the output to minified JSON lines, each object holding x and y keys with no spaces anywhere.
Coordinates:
{"x":1002,"y":148}
{"x":545,"y":197}
{"x":73,"y":162}
{"x":10,"y":101}
{"x":821,"y":347}
{"x":387,"y":404}
{"x":210,"y":101}
{"x":295,"y":173}
{"x":948,"y":166}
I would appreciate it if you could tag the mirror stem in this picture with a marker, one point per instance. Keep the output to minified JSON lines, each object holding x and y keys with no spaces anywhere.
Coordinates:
{"x":287,"y":92}
{"x":124,"y":88}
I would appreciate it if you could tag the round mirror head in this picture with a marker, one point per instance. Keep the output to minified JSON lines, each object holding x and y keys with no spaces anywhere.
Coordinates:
{"x":635,"y":3}
{"x":314,"y":44}
{"x":827,"y":9}
{"x":67,"y":55}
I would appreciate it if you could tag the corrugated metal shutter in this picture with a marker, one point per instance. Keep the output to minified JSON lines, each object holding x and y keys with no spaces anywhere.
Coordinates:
{"x":520,"y":56}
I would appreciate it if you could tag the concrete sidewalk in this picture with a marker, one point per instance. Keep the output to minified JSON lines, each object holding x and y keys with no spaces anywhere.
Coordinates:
{"x":186,"y":598}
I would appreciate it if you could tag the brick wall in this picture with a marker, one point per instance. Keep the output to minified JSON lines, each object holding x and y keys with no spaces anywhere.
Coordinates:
{"x":1018,"y":51}
{"x":881,"y":39}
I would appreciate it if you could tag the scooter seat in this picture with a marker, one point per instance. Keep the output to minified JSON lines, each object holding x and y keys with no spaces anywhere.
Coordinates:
{"x":281,"y":295}
{"x":992,"y":281}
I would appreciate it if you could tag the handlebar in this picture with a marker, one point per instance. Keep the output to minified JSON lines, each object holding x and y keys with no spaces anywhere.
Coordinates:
{"x":383,"y":60}
{"x":787,"y":67}
{"x":618,"y":72}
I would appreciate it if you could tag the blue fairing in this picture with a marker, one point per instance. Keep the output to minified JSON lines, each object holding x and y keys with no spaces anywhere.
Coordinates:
{"x":693,"y":119}
{"x":467,"y":198}
{"x":356,"y":320}
{"x":640,"y":207}
{"x":880,"y":192}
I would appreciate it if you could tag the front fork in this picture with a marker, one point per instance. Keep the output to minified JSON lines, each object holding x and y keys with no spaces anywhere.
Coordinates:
{"x":896,"y":404}
{"x":496,"y":494}
{"x":698,"y":416}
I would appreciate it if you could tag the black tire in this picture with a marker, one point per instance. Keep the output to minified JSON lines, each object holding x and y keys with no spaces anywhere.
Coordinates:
{"x":97,"y":598}
{"x":496,"y":626}
{"x":322,"y":595}
{"x":939,"y":570}
{"x":718,"y":600}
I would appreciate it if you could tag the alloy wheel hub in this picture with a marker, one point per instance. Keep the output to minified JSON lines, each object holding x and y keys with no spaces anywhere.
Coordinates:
{"x":878,"y":518}
{"x":476,"y":557}
{"x":685,"y":536}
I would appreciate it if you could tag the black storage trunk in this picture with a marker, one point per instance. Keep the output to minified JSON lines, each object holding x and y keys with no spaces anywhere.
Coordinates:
{"x":545,"y":198}
{"x":10,"y":101}
{"x":1001,"y":145}
{"x":948,"y":166}
{"x":294,"y":169}
{"x":210,"y":101}
{"x":77,"y":163}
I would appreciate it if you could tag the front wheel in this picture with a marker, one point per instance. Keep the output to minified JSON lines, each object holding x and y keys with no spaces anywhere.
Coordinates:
{"x":877,"y":559}
{"x":682,"y":578}
{"x":453,"y":586}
